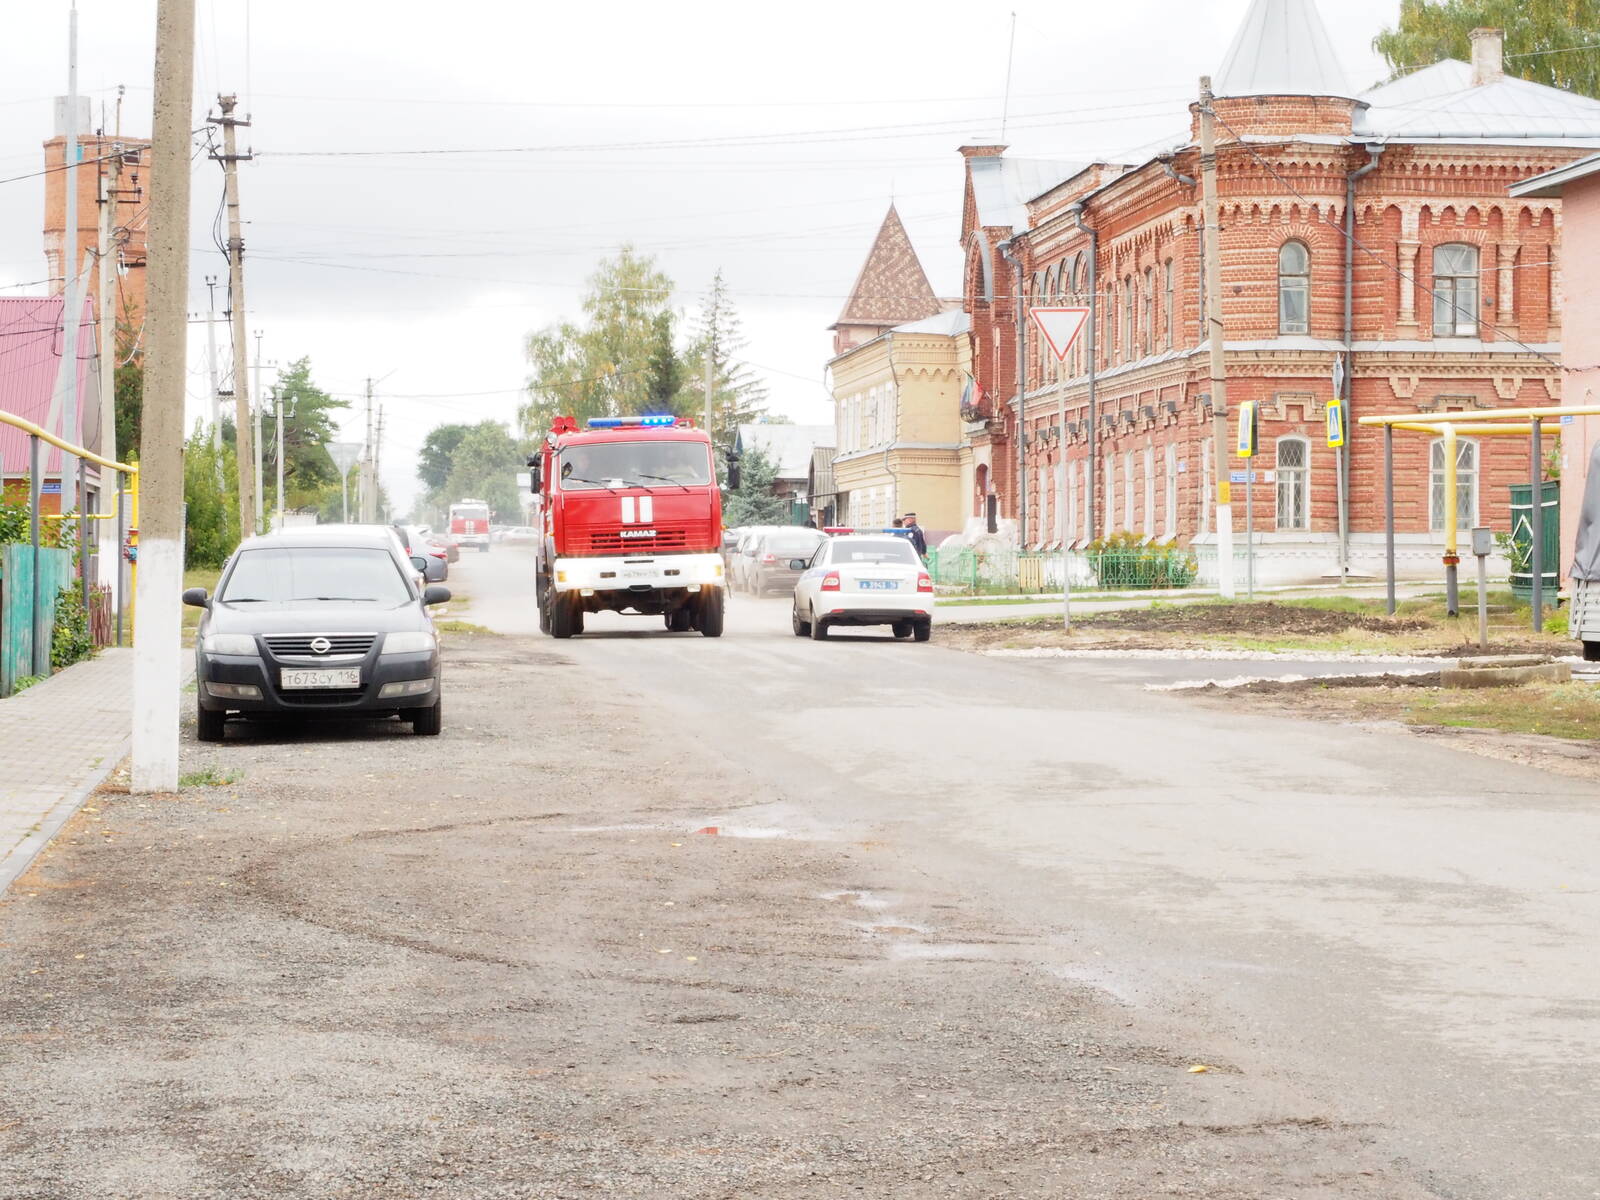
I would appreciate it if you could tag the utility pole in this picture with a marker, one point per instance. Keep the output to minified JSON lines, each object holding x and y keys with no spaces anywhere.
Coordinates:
{"x":366,"y":492}
{"x":211,"y":365}
{"x":377,"y":470}
{"x":67,"y":381}
{"x":277,"y":405}
{"x":1215,"y":338}
{"x":158,"y":637}
{"x":245,"y":441}
{"x":256,"y":410}
{"x":110,"y":552}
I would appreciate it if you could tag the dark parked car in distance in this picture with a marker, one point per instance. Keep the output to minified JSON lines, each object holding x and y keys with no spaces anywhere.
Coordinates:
{"x":326,"y":621}
{"x":770,"y":567}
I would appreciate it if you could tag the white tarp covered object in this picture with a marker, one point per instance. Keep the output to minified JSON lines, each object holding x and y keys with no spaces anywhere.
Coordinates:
{"x":1586,"y":550}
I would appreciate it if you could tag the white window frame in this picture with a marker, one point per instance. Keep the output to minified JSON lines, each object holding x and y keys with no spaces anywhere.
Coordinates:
{"x":1130,"y":513}
{"x":1204,"y":525}
{"x":1111,"y":492}
{"x":1459,"y":291}
{"x":1171,"y":302}
{"x":1294,"y":281}
{"x":1467,"y":497}
{"x":1169,"y":524}
{"x":1150,"y":491}
{"x":1286,"y":474}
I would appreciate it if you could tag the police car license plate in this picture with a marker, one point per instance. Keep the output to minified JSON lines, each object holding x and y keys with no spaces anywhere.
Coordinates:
{"x":322,"y":679}
{"x":880,"y":585}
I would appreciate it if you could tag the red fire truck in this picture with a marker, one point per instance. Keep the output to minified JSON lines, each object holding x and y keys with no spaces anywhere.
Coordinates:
{"x":630,"y":521}
{"x":469,"y":524}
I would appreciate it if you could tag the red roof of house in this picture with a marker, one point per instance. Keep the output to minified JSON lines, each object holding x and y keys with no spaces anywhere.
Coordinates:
{"x":30,"y":359}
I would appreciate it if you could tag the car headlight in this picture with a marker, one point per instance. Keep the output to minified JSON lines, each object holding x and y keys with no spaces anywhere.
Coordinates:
{"x":230,"y":643}
{"x":415,"y":642}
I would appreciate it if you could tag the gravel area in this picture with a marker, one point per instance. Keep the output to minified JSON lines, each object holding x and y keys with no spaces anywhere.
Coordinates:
{"x":544,"y":956}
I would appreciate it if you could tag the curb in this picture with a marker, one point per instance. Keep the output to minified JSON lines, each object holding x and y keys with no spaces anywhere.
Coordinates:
{"x":15,"y":863}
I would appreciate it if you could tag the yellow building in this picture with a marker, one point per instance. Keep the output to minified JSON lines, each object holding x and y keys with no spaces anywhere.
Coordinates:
{"x":897,"y":374}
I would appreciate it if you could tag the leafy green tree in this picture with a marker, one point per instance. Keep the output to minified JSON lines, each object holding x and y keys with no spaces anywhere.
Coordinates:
{"x":438,"y":449}
{"x":1547,"y":41}
{"x":738,"y":397}
{"x":753,"y":502}
{"x":485,"y":467}
{"x":211,"y":509}
{"x":601,"y":367}
{"x":308,"y":426}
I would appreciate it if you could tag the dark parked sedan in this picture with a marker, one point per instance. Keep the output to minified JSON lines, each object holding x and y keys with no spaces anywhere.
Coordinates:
{"x":318,"y":622}
{"x":769,"y":568}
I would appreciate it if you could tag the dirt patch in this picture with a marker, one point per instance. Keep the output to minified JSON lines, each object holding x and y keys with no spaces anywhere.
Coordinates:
{"x":1279,"y":687}
{"x":1266,"y":619}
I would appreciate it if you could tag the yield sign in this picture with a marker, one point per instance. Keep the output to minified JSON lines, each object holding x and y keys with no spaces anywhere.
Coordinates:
{"x":1060,"y":328}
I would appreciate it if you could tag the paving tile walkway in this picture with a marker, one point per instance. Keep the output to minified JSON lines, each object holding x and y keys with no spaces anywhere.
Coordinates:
{"x":58,"y":741}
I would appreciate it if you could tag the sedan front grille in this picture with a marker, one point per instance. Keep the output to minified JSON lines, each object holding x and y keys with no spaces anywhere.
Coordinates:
{"x":299,"y":645}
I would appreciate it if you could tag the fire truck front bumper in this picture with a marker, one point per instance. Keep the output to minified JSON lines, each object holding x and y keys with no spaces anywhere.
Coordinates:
{"x":638,"y":573}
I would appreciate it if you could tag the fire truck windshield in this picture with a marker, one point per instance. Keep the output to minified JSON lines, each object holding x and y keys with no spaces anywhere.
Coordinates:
{"x":645,"y":464}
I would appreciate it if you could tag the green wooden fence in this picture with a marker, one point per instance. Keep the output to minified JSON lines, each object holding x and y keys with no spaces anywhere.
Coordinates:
{"x":25,"y":634}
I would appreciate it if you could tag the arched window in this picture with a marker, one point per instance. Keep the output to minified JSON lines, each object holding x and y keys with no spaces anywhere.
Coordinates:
{"x":1294,"y":288}
{"x":1171,"y":306}
{"x":1455,"y":290}
{"x":1294,"y":477}
{"x":1147,"y":314}
{"x":1466,"y":484}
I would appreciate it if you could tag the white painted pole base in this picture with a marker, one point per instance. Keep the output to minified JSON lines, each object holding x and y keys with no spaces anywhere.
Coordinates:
{"x":1225,"y":551}
{"x":157,"y":652}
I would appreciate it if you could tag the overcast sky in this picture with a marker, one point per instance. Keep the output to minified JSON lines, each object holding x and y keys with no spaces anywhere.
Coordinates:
{"x":764,"y":139}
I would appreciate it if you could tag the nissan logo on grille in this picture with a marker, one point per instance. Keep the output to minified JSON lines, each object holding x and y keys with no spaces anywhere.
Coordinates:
{"x":321,"y":645}
{"x":638,"y":533}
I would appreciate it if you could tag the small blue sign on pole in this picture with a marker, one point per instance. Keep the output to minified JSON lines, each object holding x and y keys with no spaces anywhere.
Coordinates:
{"x":1244,"y":477}
{"x":52,"y":488}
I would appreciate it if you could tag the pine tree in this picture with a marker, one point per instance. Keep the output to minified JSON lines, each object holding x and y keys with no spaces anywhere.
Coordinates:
{"x":738,"y":396}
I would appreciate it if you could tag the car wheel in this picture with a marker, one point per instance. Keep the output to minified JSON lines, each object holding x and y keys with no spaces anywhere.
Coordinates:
{"x":711,"y":612}
{"x":923,"y":630}
{"x":428,"y":721}
{"x":902,"y":629}
{"x":801,"y":628}
{"x":565,"y":619}
{"x":209,"y":723}
{"x":819,"y":627}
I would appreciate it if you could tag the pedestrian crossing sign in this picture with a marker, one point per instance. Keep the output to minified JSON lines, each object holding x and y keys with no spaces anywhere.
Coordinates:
{"x":1245,"y":442}
{"x":1336,"y":432}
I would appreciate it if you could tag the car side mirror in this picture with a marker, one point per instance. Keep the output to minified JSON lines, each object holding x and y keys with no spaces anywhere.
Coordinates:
{"x":196,"y":598}
{"x":435,"y":594}
{"x":798,"y":564}
{"x":419,"y":563}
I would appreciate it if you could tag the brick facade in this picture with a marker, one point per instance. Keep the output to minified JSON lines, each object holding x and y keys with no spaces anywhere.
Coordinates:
{"x":1286,"y":183}
{"x":133,"y":206}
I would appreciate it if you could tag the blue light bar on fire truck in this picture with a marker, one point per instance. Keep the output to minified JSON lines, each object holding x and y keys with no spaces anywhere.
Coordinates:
{"x":626,"y":422}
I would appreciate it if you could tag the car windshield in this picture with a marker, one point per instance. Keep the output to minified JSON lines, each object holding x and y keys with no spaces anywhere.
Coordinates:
{"x":879,"y":550}
{"x":305,"y":574}
{"x":635,"y":464}
{"x":791,"y":546}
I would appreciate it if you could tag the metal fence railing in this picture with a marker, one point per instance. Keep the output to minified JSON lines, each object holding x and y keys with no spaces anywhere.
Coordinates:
{"x":1012,"y":572}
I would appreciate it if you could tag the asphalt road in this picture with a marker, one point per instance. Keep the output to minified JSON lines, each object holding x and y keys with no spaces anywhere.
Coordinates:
{"x":1405,"y":931}
{"x":760,"y":917}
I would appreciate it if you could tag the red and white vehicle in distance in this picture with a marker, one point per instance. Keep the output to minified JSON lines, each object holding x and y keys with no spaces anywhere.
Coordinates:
{"x":469,"y":524}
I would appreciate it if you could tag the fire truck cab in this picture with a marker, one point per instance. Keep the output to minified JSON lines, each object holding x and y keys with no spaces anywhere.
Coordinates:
{"x":630,"y":521}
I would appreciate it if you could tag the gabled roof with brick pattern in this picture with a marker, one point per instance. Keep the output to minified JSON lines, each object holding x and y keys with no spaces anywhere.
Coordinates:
{"x":892,"y":288}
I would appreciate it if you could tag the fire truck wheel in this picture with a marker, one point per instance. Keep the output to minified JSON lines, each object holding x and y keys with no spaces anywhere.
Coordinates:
{"x":565,"y":619}
{"x":680,"y":620}
{"x":711,"y":611}
{"x":544,"y":615}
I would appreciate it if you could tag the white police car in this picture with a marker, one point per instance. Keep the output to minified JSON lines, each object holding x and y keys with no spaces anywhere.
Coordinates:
{"x":864,"y":579}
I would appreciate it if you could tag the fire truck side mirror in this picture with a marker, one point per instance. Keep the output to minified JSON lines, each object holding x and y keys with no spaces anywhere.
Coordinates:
{"x":535,"y":475}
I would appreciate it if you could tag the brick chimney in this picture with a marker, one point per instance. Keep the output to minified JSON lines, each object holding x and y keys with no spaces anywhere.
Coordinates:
{"x":1488,"y":55}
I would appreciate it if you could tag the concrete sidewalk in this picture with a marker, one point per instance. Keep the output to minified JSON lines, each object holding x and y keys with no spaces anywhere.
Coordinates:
{"x":58,"y":741}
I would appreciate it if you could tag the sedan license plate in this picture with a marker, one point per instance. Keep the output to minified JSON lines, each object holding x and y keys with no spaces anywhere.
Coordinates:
{"x":322,"y":679}
{"x":879,"y":585}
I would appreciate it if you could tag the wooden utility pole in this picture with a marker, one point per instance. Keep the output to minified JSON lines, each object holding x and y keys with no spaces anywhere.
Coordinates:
{"x":244,"y":439}
{"x":1215,"y":338}
{"x":377,"y":470}
{"x":158,"y":640}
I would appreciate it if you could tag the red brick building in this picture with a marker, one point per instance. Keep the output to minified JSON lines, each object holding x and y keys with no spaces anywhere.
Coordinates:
{"x":1452,"y":290}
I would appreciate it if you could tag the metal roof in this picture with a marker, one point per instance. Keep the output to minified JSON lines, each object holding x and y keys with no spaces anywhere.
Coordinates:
{"x":30,"y":358}
{"x":1002,"y":186}
{"x":947,"y":324}
{"x":1281,"y":49}
{"x":1440,"y":104}
{"x":789,"y":447}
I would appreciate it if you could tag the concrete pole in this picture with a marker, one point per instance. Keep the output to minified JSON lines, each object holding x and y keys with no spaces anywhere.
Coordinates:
{"x":367,"y":505}
{"x":245,"y":441}
{"x":1536,"y":523}
{"x":211,"y":365}
{"x":110,"y":481}
{"x":158,"y":642}
{"x":256,"y":410}
{"x":1215,"y":337}
{"x":277,"y":406}
{"x":71,"y":266}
